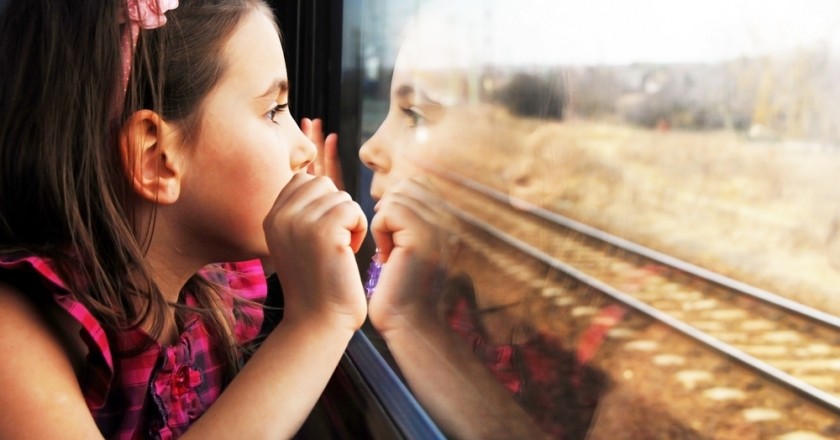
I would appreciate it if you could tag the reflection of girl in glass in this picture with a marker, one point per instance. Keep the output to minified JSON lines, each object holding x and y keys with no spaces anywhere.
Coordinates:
{"x":437,"y":115}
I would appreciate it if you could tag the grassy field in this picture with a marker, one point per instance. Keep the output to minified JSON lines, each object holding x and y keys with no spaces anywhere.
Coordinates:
{"x":763,"y":212}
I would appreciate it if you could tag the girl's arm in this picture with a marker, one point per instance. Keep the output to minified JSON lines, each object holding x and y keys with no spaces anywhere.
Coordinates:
{"x":312,"y":233}
{"x":459,"y":392}
{"x":275,"y":392}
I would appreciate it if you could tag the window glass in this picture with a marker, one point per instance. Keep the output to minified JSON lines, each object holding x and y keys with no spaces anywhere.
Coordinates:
{"x":688,"y":150}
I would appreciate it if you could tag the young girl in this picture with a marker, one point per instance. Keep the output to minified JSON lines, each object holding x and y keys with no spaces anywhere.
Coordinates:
{"x":141,"y":141}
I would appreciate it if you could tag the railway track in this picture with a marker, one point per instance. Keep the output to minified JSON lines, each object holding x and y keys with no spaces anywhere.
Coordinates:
{"x":734,"y":357}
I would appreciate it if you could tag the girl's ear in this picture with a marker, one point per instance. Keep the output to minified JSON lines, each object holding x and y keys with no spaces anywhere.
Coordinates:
{"x":147,"y":146}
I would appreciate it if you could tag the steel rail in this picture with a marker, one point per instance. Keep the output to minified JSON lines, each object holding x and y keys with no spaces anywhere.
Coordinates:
{"x":817,"y":395}
{"x":762,"y":295}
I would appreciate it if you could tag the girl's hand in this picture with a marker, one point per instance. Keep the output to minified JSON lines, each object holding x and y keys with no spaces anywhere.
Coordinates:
{"x":326,"y":163}
{"x":312,"y":231}
{"x":417,"y":241}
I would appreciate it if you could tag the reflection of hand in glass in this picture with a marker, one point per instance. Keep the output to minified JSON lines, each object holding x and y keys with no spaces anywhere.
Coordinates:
{"x":417,"y":238}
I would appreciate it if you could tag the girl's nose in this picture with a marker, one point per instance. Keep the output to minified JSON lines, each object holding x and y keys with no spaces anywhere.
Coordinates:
{"x":374,"y":155}
{"x":303,"y":152}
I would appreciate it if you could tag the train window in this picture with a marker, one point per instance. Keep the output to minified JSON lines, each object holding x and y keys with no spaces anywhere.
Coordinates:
{"x":636,"y":200}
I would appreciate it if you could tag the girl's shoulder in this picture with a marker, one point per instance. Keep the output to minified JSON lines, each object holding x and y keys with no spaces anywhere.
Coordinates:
{"x":33,"y":288}
{"x":29,"y":288}
{"x":40,"y":362}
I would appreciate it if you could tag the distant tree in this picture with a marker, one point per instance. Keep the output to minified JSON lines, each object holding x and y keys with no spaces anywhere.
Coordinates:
{"x":533,"y":96}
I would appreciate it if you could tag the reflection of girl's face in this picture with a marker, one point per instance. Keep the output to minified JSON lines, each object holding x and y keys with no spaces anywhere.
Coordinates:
{"x":413,"y":126}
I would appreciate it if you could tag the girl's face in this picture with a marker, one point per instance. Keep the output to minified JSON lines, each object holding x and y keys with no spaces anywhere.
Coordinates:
{"x":247,"y":149}
{"x":414,"y":132}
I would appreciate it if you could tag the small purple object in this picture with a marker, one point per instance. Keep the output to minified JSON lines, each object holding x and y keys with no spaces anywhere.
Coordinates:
{"x":373,"y":274}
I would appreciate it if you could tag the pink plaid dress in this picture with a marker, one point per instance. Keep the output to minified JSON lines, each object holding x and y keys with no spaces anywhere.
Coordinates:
{"x":156,"y":392}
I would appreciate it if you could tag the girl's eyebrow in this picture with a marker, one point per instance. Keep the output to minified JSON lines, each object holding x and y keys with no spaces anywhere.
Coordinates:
{"x":277,"y":86}
{"x":406,"y":91}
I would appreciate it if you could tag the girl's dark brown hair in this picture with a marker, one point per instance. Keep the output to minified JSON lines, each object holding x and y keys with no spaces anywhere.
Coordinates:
{"x":63,"y":190}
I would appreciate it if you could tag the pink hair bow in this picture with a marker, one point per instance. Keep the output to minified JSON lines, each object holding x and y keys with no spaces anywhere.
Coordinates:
{"x":145,"y":14}
{"x":148,"y":14}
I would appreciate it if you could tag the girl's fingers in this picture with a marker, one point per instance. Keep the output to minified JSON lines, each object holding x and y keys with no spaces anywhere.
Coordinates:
{"x":399,"y":225}
{"x":306,"y":126}
{"x":326,"y":162}
{"x":347,"y":213}
{"x":332,"y":165}
{"x":411,"y":215}
{"x":312,"y":202}
{"x":423,"y":200}
{"x":383,"y":234}
{"x":316,"y":132}
{"x":288,"y":197}
{"x":322,"y":203}
{"x":294,"y":201}
{"x":312,"y":128}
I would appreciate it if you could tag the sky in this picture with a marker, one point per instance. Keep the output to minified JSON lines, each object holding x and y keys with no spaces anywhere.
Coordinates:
{"x":624,"y":31}
{"x":616,"y":31}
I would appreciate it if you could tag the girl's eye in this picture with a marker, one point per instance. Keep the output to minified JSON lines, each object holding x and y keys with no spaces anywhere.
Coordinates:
{"x":414,"y":114}
{"x":271,"y":114}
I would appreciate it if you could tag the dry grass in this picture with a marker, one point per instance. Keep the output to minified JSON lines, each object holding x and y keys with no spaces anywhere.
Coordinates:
{"x":766,"y":213}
